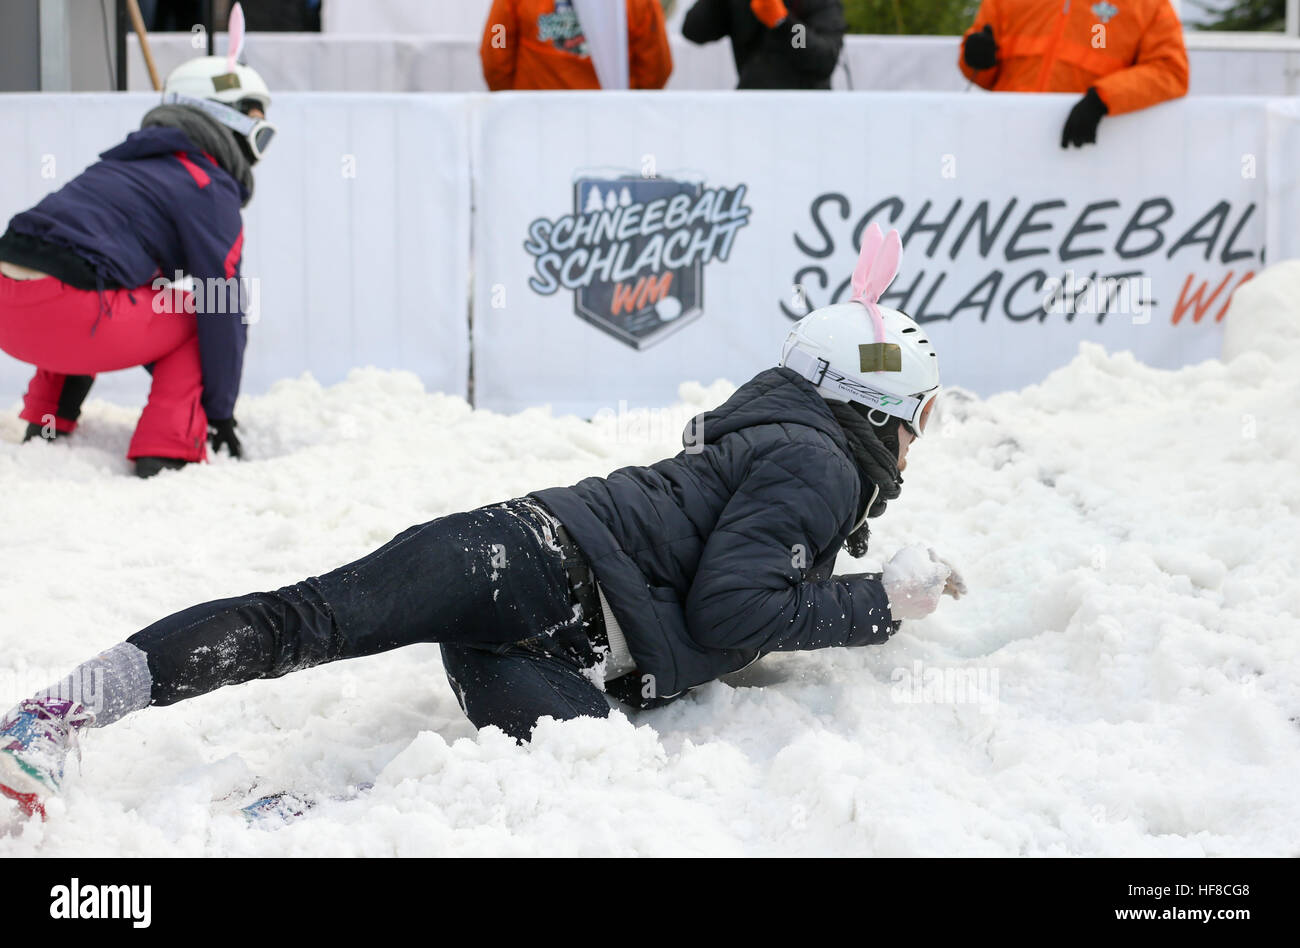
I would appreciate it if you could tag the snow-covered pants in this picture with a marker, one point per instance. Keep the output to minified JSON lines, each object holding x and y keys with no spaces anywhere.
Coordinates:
{"x":485,"y":584}
{"x":79,"y":333}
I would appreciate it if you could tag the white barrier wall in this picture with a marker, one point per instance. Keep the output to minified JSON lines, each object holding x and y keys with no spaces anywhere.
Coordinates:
{"x":1283,"y":178}
{"x":393,"y":63}
{"x":722,"y":206}
{"x":1170,"y":208}
{"x":452,"y":17}
{"x":416,"y":62}
{"x":358,"y":231}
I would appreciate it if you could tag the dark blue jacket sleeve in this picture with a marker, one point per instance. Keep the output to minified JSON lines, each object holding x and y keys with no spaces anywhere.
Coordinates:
{"x":750,"y":589}
{"x":213,"y":248}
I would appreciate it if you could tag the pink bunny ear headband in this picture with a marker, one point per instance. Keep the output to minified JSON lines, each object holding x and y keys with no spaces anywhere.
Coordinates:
{"x":235,"y":49}
{"x":908,"y":395}
{"x":877,"y":266}
{"x":235,"y":29}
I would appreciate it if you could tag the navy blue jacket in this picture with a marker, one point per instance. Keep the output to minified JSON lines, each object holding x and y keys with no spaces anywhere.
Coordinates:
{"x":154,"y":205}
{"x":724,"y":553}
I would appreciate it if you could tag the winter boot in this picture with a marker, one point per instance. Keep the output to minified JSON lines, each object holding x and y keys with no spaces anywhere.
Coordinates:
{"x":148,"y":467}
{"x":35,"y":431}
{"x":34,"y":742}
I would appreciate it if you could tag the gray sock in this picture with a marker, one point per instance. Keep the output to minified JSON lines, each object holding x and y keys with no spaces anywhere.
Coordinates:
{"x":111,"y":685}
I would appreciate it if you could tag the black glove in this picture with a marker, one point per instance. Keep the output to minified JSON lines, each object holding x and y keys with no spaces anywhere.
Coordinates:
{"x":1081,"y":127}
{"x":221,"y":433}
{"x":981,"y":51}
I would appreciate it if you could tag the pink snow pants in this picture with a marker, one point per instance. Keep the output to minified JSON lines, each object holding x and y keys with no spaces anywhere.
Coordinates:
{"x":65,"y":331}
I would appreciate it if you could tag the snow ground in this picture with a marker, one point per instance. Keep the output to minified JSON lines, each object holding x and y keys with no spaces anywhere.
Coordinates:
{"x":1130,"y":641}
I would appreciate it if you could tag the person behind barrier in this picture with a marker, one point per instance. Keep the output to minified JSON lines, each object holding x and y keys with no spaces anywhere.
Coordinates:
{"x":82,"y":273}
{"x":539,"y":44}
{"x":777,"y":44}
{"x":1123,"y":55}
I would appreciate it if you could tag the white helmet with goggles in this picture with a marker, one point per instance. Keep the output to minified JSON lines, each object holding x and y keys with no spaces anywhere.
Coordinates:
{"x":226,"y":90}
{"x":863,"y":352}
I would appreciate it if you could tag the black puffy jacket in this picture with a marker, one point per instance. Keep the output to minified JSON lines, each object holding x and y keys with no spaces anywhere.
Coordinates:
{"x":724,"y":553}
{"x":799,"y":53}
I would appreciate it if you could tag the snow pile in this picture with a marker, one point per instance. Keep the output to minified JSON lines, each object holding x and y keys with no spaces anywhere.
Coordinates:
{"x":1265,"y":314}
{"x":1122,"y":677}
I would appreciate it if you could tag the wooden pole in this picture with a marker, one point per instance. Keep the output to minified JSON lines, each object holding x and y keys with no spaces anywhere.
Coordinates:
{"x":133,"y":7}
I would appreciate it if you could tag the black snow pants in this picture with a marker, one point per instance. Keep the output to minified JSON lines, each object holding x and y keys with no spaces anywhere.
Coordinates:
{"x":490,"y":585}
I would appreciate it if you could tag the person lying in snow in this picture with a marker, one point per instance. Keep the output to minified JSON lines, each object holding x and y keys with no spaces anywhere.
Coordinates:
{"x":641,"y":585}
{"x":79,"y":271}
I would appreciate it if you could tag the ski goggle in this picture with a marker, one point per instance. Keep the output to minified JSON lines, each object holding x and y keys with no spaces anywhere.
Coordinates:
{"x":914,"y":412}
{"x":916,"y":427}
{"x":258,"y":132}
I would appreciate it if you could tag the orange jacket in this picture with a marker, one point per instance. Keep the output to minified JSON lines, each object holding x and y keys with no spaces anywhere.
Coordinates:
{"x":1131,"y":50}
{"x":527,"y":45}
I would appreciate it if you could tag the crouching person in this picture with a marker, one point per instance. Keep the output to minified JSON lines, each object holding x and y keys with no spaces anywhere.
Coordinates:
{"x":80,"y":271}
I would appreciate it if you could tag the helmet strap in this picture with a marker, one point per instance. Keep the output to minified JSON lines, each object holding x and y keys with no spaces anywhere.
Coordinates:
{"x":826,"y":377}
{"x":806,"y":364}
{"x":228,"y":116}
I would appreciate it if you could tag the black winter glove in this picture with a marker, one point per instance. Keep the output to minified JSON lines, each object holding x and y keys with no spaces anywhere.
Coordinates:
{"x":981,"y":50}
{"x":221,"y":433}
{"x":1081,"y":127}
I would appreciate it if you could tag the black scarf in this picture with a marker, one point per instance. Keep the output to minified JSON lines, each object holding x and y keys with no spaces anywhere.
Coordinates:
{"x":875,"y":452}
{"x":210,"y":136}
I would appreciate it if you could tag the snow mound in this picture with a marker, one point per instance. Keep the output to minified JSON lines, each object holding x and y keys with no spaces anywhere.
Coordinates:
{"x":1123,"y":677}
{"x":1265,"y":314}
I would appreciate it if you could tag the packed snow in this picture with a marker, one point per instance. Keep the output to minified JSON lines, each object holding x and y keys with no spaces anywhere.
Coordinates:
{"x":1121,"y":678}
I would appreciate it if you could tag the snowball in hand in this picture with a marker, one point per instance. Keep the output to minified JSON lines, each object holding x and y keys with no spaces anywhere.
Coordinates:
{"x":914,"y":581}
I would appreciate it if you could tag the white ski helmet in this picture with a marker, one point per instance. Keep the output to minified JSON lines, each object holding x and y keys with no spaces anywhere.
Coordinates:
{"x":214,"y":77}
{"x":227,"y":91}
{"x":863,"y":352}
